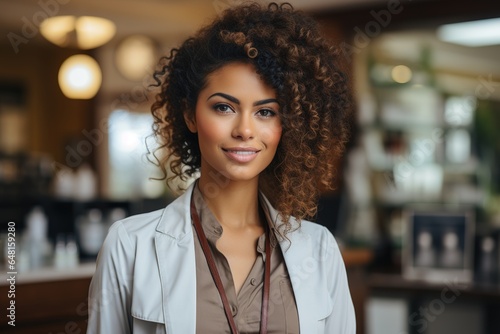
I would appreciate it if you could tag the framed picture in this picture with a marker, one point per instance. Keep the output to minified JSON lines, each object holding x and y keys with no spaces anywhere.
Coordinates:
{"x":438,"y":246}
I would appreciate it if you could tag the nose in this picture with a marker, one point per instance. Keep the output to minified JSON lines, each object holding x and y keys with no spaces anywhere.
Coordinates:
{"x":244,"y":127}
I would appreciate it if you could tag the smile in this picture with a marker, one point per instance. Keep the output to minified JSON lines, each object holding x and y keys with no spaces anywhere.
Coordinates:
{"x":241,"y":154}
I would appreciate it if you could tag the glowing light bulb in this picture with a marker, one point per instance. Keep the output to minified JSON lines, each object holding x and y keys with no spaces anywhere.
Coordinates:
{"x":80,"y":77}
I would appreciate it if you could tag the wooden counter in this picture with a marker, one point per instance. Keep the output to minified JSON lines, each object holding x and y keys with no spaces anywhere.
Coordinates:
{"x":48,"y":307}
{"x":356,"y":261}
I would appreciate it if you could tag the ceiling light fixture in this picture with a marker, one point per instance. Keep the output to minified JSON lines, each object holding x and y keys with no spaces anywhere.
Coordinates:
{"x":135,"y":56}
{"x":84,"y":32}
{"x":473,"y":33}
{"x":80,"y":77}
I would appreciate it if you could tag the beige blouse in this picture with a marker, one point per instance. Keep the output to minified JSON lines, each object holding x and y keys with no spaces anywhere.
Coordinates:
{"x":246,"y":306}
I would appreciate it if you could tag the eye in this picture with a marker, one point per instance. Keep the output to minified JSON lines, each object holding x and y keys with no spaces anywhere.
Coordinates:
{"x":222,"y":108}
{"x":266,"y":113}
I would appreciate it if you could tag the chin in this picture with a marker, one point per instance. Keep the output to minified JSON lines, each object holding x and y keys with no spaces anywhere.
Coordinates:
{"x":242,"y":177}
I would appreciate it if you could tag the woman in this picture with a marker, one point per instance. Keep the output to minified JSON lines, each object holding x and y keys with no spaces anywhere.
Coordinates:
{"x":256,"y":104}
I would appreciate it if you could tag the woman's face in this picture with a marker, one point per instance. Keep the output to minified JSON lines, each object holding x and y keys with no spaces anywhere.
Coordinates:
{"x":238,"y":124}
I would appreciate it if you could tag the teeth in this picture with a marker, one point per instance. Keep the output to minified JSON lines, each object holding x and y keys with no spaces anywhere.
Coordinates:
{"x":243,"y":152}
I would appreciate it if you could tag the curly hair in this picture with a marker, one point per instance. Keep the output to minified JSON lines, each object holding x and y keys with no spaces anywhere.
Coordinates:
{"x":290,"y":55}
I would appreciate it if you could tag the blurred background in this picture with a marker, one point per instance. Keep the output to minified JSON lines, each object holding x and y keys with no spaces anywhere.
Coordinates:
{"x":417,"y":203}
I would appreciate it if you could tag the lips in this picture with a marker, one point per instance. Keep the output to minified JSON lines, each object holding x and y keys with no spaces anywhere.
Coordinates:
{"x":241,"y":154}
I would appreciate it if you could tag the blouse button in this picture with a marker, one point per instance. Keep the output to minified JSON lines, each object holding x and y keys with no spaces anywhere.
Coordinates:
{"x":234,"y":310}
{"x":253,"y":281}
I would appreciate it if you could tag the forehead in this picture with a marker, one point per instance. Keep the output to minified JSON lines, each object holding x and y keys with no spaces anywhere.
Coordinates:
{"x":238,"y":78}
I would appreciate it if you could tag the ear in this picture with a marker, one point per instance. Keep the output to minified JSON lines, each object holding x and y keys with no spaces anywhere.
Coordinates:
{"x":190,"y":120}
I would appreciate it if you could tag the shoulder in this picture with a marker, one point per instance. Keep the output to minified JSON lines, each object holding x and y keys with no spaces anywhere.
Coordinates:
{"x":319,"y":235}
{"x":306,"y":231}
{"x":307,"y":235}
{"x":315,"y":230}
{"x":320,"y":246}
{"x":132,"y":238}
{"x":124,"y":236}
{"x":171,"y":220}
{"x":138,"y":225}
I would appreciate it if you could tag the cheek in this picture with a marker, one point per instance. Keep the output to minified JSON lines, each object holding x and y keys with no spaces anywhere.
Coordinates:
{"x":272,"y":135}
{"x":207,"y":134}
{"x":208,"y":130}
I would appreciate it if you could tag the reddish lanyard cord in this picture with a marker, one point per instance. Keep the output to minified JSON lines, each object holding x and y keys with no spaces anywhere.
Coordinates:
{"x":218,"y":282}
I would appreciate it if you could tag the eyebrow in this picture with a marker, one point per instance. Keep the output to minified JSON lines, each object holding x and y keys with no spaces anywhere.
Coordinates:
{"x":235,"y":100}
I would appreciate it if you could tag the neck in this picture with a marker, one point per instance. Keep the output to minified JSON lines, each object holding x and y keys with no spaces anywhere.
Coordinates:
{"x":235,"y":204}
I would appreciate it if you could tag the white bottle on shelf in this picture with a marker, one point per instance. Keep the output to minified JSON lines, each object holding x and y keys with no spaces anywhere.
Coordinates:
{"x":66,"y":252}
{"x":85,"y":184}
{"x":60,"y":253}
{"x":72,"y":259}
{"x":36,"y":240}
{"x":92,"y":232}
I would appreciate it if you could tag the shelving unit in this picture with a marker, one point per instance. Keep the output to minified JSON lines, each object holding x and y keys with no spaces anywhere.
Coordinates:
{"x":415,"y":152}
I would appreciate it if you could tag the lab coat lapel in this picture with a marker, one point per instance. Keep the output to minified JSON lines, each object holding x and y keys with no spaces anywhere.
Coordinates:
{"x":174,"y":246}
{"x":297,"y":252}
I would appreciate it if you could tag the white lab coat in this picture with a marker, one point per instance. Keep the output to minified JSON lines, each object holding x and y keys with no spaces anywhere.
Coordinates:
{"x":145,"y":280}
